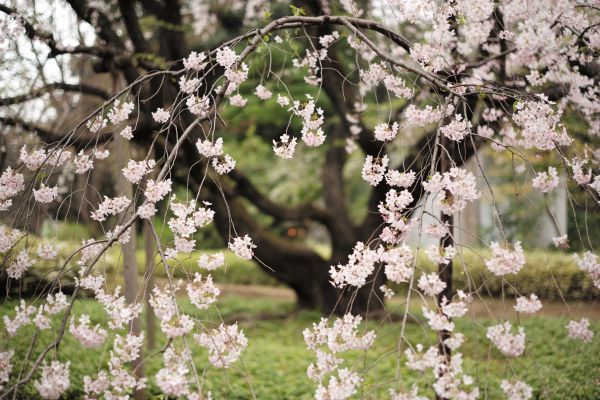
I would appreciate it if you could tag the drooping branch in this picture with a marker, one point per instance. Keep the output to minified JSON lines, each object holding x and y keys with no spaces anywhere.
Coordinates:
{"x":80,"y":88}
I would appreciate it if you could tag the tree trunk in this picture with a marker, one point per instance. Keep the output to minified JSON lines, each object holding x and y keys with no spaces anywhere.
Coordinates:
{"x":130,"y":273}
{"x":445,"y":270}
{"x":149,"y":277}
{"x":293,"y":263}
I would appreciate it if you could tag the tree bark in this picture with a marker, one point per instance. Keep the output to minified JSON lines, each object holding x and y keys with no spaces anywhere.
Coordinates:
{"x":149,"y":276}
{"x":445,"y":270}
{"x":130,"y":273}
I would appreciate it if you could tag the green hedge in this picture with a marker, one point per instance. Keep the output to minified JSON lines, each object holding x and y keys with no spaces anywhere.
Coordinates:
{"x":547,"y":274}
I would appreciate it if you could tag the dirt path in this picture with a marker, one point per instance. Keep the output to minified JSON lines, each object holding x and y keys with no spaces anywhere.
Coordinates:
{"x":480,"y":308}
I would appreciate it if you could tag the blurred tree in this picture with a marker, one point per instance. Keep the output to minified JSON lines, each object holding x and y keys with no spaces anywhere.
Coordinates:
{"x":134,"y":38}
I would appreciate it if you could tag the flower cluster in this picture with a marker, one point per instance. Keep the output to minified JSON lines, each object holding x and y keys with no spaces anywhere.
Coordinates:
{"x":223,"y":165}
{"x":400,"y":179}
{"x":431,"y":284}
{"x":580,"y":330}
{"x":377,"y":73}
{"x":189,"y":85}
{"x":156,"y":191}
{"x":21,"y":318}
{"x":187,"y":219}
{"x":54,"y":381}
{"x":118,"y":380}
{"x":516,"y":391}
{"x":211,"y":262}
{"x":426,"y":116}
{"x":224,"y":344}
{"x":11,"y":183}
{"x":360,"y":266}
{"x":374,"y":169}
{"x":393,"y":209}
{"x":509,"y":344}
{"x":173,"y":378}
{"x":5,"y":366}
{"x":110,"y":207}
{"x":440,"y":255}
{"x":453,"y":190}
{"x":19,"y":265}
{"x":312,"y":119}
{"x":202,"y":293}
{"x":88,"y":336}
{"x":286,"y":146}
{"x":529,"y":305}
{"x":398,"y":263}
{"x":243,"y":247}
{"x":198,"y":106}
{"x":540,"y":125}
{"x":546,"y":182}
{"x":83,"y":163}
{"x":172,"y":322}
{"x":237,"y":100}
{"x":457,"y":129}
{"x":210,"y":149}
{"x":120,"y":112}
{"x":437,"y":321}
{"x":161,"y":116}
{"x":385,"y":132}
{"x":505,"y":261}
{"x":263,"y":93}
{"x":327,"y":342}
{"x":135,"y":171}
{"x":34,"y":159}
{"x":195,"y":61}
{"x":589,"y":263}
{"x":45,"y":194}
{"x":118,"y":309}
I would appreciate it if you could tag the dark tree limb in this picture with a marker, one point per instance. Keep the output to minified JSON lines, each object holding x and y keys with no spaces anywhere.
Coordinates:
{"x":80,"y":88}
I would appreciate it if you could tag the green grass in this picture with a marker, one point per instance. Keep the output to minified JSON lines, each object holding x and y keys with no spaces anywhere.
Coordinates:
{"x":276,"y":359}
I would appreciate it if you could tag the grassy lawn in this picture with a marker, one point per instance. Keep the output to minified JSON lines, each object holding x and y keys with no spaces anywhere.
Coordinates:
{"x":276,"y":359}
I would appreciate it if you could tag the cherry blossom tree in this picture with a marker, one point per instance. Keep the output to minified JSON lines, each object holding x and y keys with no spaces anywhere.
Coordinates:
{"x":416,"y":88}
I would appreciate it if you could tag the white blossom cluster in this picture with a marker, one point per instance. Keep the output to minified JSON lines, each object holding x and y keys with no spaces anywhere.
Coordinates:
{"x":516,"y":390}
{"x":54,"y":380}
{"x":505,"y":261}
{"x":87,"y":335}
{"x":224,"y":344}
{"x":374,"y":169}
{"x":135,"y":171}
{"x":119,"y":379}
{"x":457,"y":129}
{"x":589,"y":263}
{"x":328,"y":341}
{"x":360,"y":266}
{"x":5,"y":366}
{"x":11,"y":183}
{"x":512,"y":345}
{"x":453,"y":190}
{"x":580,"y":330}
{"x":186,"y":221}
{"x":110,"y":207}
{"x":546,"y":182}
{"x":243,"y":247}
{"x":540,"y":126}
{"x":173,"y":323}
{"x":528,"y":305}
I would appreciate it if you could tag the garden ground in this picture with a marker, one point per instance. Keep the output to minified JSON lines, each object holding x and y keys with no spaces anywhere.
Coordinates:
{"x":274,"y":364}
